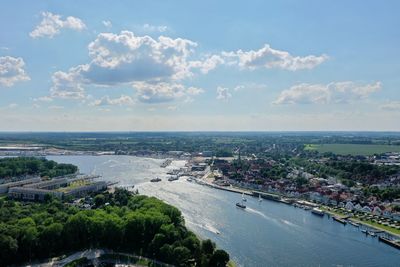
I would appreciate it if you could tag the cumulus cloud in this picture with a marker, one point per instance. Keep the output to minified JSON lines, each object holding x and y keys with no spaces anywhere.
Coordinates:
{"x":267,"y":57}
{"x":152,"y":66}
{"x":51,"y":25}
{"x":223,"y":93}
{"x":12,"y":71}
{"x":337,"y":92}
{"x":107,"y":101}
{"x":67,"y":85}
{"x":164,"y":92}
{"x":391,"y":106}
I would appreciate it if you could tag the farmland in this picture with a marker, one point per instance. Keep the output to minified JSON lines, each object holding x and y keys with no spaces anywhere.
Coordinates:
{"x":352,"y":149}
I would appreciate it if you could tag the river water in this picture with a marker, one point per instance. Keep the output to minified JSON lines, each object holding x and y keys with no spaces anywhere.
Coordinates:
{"x":267,"y":233}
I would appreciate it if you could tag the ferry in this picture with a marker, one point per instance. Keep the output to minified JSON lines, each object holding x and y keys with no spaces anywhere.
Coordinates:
{"x":155,"y":180}
{"x":318,"y":212}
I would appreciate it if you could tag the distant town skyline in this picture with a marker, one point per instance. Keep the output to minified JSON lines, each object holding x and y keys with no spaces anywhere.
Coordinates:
{"x":201,"y":66}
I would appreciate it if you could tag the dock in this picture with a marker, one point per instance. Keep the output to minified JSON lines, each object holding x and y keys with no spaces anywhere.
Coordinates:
{"x":340,"y":220}
{"x":389,"y":242}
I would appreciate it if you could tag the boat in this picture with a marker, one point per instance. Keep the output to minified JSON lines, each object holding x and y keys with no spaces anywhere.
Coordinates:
{"x":371,"y":233}
{"x":189,"y":179}
{"x":240,"y":205}
{"x":354,"y":223}
{"x":318,"y":212}
{"x":340,"y":220}
{"x":155,"y":180}
{"x":173,"y":178}
{"x":243,"y":198}
{"x":259,"y":198}
{"x":364,"y":231}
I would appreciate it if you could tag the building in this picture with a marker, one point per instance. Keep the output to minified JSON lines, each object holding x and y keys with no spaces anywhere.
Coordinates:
{"x":32,"y":194}
{"x":5,"y":187}
{"x":50,"y":184}
{"x":86,"y":189}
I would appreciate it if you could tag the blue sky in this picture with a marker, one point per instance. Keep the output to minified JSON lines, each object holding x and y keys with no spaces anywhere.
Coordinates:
{"x":205,"y":65}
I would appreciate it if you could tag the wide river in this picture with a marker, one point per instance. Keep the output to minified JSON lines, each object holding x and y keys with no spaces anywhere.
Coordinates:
{"x":267,"y":233}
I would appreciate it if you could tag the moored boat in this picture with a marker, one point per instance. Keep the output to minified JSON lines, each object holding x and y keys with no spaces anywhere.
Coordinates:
{"x":155,"y":180}
{"x":318,"y":212}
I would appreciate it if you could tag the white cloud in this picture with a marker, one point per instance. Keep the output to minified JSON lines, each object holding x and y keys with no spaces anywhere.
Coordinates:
{"x":154,"y":28}
{"x":67,"y":85}
{"x":153,"y":67}
{"x":164,"y":92}
{"x":107,"y":101}
{"x":207,"y":64}
{"x":267,"y":57}
{"x":51,"y":25}
{"x":223,"y":93}
{"x":12,"y":71}
{"x":43,"y":99}
{"x":391,"y":106}
{"x":107,"y":23}
{"x":337,"y":92}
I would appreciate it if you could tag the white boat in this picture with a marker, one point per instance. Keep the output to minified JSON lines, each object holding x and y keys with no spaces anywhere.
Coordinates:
{"x":259,"y":198}
{"x":317,"y":211}
{"x":243,"y":198}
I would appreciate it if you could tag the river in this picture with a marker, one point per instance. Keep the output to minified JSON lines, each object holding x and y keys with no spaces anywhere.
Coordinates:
{"x":267,"y":233}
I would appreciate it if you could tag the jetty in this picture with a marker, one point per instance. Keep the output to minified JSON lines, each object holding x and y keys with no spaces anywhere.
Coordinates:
{"x":392,"y":243}
{"x":340,"y":220}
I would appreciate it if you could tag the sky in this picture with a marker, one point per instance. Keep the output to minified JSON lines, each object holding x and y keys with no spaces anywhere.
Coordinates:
{"x":288,"y":65}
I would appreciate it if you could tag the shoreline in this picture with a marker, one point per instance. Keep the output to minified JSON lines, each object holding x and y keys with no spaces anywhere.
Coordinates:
{"x":279,"y":198}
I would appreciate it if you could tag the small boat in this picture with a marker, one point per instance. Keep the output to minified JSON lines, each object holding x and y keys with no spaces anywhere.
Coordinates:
{"x":189,"y":179}
{"x":173,"y":178}
{"x":364,"y":231}
{"x":318,"y":212}
{"x":371,"y":233}
{"x":243,"y":198}
{"x":259,"y":198}
{"x":240,"y":205}
{"x":155,"y":180}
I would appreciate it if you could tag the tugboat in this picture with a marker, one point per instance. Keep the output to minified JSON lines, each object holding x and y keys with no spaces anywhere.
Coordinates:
{"x":155,"y":180}
{"x":318,"y":212}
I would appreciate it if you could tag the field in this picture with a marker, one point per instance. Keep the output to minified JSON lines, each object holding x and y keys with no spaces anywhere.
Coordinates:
{"x":353,"y":149}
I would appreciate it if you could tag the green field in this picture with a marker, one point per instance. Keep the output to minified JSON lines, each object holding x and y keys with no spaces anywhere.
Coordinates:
{"x":352,"y":149}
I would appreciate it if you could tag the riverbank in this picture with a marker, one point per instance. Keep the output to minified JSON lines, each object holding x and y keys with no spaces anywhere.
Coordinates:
{"x":208,"y":180}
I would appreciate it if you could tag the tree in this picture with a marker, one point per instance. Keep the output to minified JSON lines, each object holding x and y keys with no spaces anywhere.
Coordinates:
{"x":219,"y":259}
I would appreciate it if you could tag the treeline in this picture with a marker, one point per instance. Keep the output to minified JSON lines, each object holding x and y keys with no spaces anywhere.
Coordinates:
{"x":13,"y":167}
{"x":122,"y":222}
